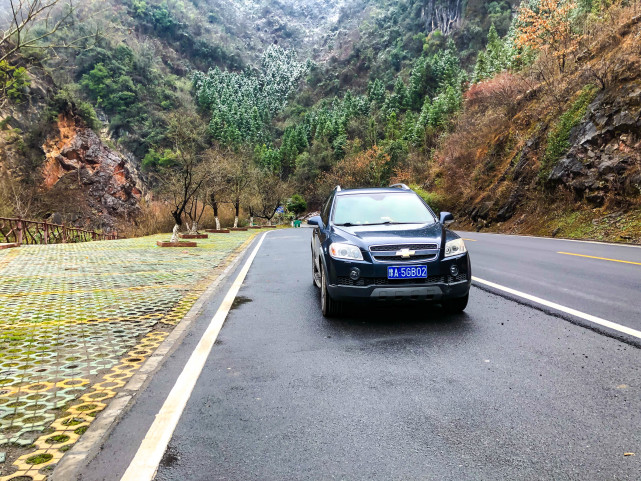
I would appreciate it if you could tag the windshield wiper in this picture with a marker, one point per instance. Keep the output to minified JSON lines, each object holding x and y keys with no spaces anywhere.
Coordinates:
{"x":349,"y":224}
{"x":392,"y":223}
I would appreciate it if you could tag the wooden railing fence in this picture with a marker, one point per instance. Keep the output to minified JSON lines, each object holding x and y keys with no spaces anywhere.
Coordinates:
{"x":21,"y":231}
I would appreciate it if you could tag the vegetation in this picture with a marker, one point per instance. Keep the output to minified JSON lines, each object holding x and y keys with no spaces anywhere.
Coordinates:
{"x":242,"y":104}
{"x":558,"y":142}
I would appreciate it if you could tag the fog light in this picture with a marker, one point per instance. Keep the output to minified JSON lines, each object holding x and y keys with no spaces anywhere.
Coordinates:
{"x":354,"y":274}
{"x":454,"y":270}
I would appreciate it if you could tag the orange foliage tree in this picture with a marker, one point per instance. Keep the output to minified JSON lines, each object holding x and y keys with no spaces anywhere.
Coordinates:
{"x":546,"y":25}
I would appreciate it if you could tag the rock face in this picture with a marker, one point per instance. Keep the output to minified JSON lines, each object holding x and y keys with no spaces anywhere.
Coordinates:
{"x":601,"y":168}
{"x":111,"y":182}
{"x":606,"y":148}
{"x":442,"y":15}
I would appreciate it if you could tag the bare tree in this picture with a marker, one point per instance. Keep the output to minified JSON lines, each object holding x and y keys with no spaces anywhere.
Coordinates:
{"x":238,"y":178}
{"x":184,"y":177}
{"x":268,"y":192}
{"x":195,"y":210}
{"x":16,"y":197}
{"x":216,"y":185}
{"x":49,"y":16}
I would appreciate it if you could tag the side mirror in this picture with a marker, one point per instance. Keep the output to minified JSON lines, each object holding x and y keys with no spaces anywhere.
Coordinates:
{"x":316,"y":220}
{"x":446,"y":218}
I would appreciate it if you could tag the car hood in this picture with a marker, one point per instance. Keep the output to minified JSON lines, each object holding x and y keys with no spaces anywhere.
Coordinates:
{"x":394,"y":234}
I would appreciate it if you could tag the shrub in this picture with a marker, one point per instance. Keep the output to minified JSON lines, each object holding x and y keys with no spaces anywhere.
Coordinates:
{"x":432,"y":199}
{"x":500,"y":91}
{"x":66,"y":101}
{"x":297,"y":204}
{"x":13,"y":81}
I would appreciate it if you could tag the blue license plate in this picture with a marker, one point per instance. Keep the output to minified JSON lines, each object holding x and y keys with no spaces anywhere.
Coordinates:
{"x":407,"y":272}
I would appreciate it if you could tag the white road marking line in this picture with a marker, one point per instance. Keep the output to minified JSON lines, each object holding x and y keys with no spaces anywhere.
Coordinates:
{"x":635,"y":246}
{"x":559,"y":307}
{"x":145,"y":463}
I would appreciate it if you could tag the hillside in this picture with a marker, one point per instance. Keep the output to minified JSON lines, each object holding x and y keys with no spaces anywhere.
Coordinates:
{"x":467,"y":101}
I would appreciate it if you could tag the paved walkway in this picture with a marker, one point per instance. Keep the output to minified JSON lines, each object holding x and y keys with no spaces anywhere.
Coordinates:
{"x":76,"y":321}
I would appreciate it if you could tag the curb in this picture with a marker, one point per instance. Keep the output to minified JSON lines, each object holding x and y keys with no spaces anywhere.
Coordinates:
{"x":91,"y":442}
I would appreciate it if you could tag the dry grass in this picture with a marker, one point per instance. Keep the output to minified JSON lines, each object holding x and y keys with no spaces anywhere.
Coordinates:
{"x":155,"y":218}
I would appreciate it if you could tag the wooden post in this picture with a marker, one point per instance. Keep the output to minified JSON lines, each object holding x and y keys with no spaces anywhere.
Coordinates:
{"x":64,"y":234}
{"x":45,"y":236}
{"x":19,"y":229}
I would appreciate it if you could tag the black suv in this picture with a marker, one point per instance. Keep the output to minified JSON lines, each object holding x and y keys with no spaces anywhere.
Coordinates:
{"x":386,"y":244}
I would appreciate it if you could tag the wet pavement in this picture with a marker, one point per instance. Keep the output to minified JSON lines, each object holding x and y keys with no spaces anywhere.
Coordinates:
{"x":501,"y":392}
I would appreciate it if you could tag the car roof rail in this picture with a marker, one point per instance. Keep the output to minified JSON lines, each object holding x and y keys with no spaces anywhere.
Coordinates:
{"x":399,"y":186}
{"x":338,"y":188}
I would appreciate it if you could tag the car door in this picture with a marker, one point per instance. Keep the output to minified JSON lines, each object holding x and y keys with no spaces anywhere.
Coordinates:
{"x":321,"y":232}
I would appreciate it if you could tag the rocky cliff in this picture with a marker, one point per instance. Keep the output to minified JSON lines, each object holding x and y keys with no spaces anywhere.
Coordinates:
{"x":109,"y":180}
{"x":561,"y":157}
{"x":605,"y":157}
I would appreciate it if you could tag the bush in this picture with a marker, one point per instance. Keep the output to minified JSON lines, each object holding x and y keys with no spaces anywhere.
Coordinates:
{"x":13,"y":81}
{"x":66,"y":101}
{"x":297,"y":204}
{"x":501,"y":91}
{"x":432,"y":199}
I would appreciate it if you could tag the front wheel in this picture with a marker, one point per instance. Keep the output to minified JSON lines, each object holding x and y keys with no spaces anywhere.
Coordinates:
{"x":454,"y":306}
{"x":329,"y":307}
{"x":316,"y":276}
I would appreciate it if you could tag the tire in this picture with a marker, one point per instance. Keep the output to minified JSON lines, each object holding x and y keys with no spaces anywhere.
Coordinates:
{"x":329,"y":307}
{"x":316,"y":277}
{"x":455,"y":306}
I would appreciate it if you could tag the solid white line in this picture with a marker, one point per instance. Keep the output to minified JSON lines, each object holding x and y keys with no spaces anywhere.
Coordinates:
{"x":558,"y":307}
{"x":613,"y":244}
{"x":145,"y":463}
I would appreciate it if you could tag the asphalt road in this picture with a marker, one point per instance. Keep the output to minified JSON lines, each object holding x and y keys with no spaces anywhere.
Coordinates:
{"x":600,"y":279}
{"x":503,"y":391}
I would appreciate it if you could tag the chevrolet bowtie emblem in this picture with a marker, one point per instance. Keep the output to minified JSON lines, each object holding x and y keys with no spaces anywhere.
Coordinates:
{"x":405,"y":253}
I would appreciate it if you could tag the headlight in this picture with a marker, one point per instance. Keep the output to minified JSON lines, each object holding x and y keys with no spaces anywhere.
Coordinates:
{"x":345,"y":251}
{"x":455,"y":247}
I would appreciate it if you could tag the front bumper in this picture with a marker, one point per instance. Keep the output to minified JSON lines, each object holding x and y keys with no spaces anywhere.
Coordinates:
{"x":373,"y":284}
{"x":435,"y":292}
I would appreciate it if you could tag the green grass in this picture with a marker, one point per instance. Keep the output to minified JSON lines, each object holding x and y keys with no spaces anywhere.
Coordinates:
{"x":559,"y":135}
{"x":39,"y":458}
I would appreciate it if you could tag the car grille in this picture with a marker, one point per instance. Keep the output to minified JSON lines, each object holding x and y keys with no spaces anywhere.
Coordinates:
{"x":398,"y":247}
{"x":459,"y":278}
{"x":420,"y":257}
{"x":382,"y":281}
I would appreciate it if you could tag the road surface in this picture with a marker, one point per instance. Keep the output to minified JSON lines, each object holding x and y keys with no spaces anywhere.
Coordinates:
{"x":503,"y":391}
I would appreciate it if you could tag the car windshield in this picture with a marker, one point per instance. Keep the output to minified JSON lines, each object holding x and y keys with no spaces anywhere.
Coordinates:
{"x":378,"y":209}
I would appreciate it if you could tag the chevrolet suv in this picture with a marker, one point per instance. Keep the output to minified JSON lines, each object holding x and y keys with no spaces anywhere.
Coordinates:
{"x":383,"y":245}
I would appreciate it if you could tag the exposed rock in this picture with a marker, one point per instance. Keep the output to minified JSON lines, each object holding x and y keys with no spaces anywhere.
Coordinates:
{"x":112,"y":184}
{"x":482,"y":211}
{"x":524,"y":158}
{"x":606,"y":147}
{"x":507,"y":210}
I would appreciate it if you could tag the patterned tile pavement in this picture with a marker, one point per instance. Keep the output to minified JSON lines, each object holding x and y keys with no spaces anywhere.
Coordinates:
{"x":78,"y":320}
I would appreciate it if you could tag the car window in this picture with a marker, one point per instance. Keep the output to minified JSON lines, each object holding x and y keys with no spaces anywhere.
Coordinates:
{"x":326,"y":209}
{"x":383,"y":208}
